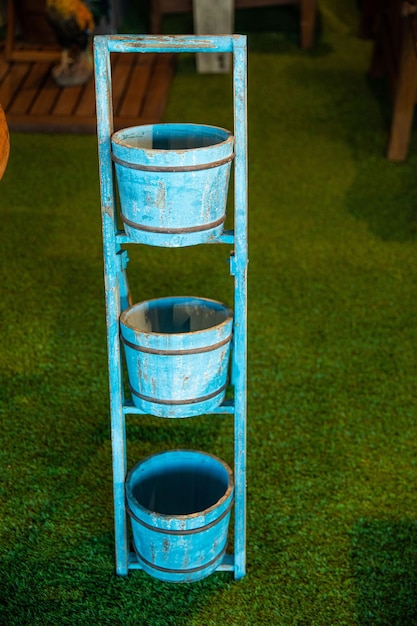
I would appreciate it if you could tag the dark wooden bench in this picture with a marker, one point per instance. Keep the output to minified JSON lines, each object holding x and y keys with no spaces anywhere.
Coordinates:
{"x":308,"y":12}
{"x":395,"y":56}
{"x":37,"y":41}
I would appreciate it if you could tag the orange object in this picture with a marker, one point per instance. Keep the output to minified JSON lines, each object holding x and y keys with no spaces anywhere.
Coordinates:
{"x":4,"y":142}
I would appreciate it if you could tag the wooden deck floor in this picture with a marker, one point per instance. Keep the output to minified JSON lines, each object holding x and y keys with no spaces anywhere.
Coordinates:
{"x":34,"y":103}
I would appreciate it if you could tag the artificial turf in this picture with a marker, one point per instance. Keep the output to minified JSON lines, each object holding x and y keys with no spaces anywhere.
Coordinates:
{"x":332,"y":435}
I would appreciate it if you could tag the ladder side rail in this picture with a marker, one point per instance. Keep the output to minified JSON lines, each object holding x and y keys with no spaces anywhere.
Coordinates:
{"x":112,"y":239}
{"x":112,"y":272}
{"x":240,"y":261}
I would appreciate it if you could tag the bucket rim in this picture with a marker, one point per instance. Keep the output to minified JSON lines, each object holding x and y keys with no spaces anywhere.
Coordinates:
{"x":116,"y":137}
{"x":181,"y":517}
{"x":130,"y":309}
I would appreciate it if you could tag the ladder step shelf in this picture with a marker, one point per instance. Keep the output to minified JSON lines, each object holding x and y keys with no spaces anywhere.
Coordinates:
{"x":227,"y":564}
{"x":227,"y":237}
{"x":226,"y":408}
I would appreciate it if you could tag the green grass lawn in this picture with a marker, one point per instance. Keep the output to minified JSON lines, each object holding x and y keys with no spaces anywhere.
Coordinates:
{"x":332,"y":434}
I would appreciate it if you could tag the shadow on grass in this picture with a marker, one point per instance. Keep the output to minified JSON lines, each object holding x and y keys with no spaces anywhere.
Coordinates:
{"x":378,"y":87}
{"x":384,"y":194}
{"x":384,"y":563}
{"x":385,"y":197}
{"x":79,"y":586}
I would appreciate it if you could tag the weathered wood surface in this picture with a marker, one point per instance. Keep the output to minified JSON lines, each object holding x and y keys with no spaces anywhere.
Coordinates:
{"x":34,"y":103}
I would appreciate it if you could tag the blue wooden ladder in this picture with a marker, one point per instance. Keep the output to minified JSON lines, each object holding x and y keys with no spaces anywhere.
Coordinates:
{"x":116,"y":285}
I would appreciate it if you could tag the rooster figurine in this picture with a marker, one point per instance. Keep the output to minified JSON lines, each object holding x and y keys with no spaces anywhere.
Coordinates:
{"x":73,"y":22}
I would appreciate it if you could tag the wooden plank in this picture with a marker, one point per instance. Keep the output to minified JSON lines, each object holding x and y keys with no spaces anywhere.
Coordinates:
{"x":86,"y":106}
{"x":29,"y":89}
{"x":11,"y":83}
{"x":46,"y":98}
{"x":121,"y":69}
{"x":157,"y":94}
{"x":34,"y":103}
{"x":51,"y":124}
{"x":134,"y":97}
{"x":4,"y":67}
{"x":29,"y":55}
{"x":67,"y":100}
{"x":81,"y":125}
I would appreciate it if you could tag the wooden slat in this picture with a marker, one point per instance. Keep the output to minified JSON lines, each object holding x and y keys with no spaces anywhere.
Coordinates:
{"x":136,"y":91}
{"x":11,"y":84}
{"x":4,"y":67}
{"x":158,"y":90}
{"x":51,"y":124}
{"x":87,"y":103}
{"x":31,"y":54}
{"x":29,"y":89}
{"x":46,"y":98}
{"x":34,"y":103}
{"x":67,"y":101}
{"x":121,"y":70}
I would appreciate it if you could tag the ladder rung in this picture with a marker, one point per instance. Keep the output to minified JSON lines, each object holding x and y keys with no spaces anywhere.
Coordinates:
{"x":227,"y":564}
{"x":226,"y":408}
{"x":228,"y":236}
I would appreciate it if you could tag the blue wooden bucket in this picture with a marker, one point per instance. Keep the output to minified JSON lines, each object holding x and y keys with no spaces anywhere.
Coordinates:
{"x":173,"y":181}
{"x":179,"y":502}
{"x":177,"y":354}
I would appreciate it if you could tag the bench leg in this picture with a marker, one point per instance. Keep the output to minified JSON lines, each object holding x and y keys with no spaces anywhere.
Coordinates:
{"x":404,"y":99}
{"x":308,"y":9}
{"x":155,"y":18}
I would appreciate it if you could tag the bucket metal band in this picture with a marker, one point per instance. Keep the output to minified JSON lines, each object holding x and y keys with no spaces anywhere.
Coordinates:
{"x":172,"y":231}
{"x":178,"y":402}
{"x":214,"y":346}
{"x":190,"y":531}
{"x":190,"y":570}
{"x":175,"y":168}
